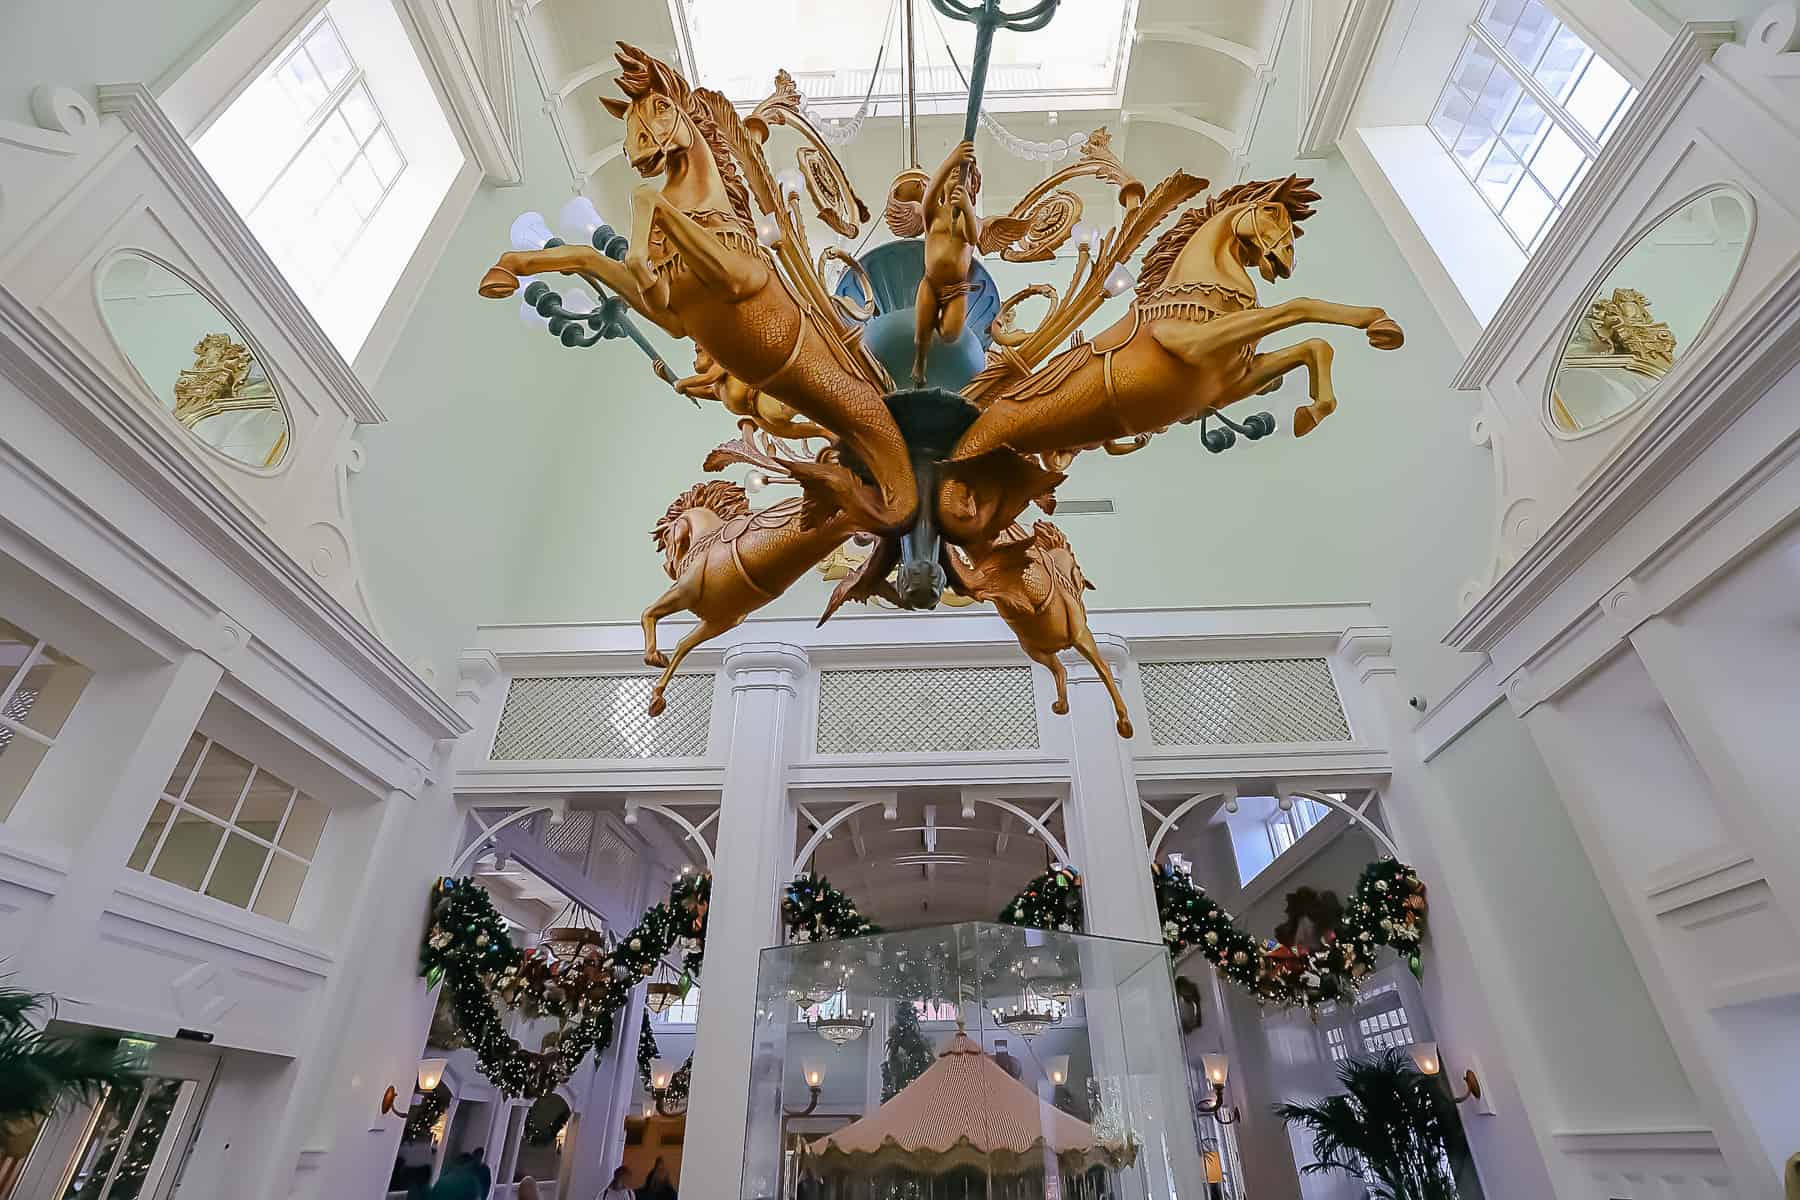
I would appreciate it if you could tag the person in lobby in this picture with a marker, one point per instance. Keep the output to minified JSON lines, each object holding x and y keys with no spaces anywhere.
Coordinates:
{"x":657,"y":1185}
{"x":620,"y":1187}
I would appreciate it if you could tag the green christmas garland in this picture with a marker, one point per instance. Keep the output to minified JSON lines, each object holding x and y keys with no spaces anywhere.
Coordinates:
{"x":469,"y":950}
{"x":814,"y":911}
{"x":1051,"y":901}
{"x":677,"y":1094}
{"x":423,"y":1115}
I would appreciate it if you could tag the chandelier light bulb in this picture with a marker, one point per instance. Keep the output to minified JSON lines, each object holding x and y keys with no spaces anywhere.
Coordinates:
{"x":578,"y":299}
{"x":1084,"y":233}
{"x":578,"y":220}
{"x":755,"y":482}
{"x":530,"y":316}
{"x":768,"y":230}
{"x":530,"y":231}
{"x":1119,"y":280}
{"x":789,"y":181}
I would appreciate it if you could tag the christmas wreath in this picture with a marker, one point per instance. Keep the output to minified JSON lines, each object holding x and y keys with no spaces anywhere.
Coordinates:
{"x":1386,"y":909}
{"x":468,"y":949}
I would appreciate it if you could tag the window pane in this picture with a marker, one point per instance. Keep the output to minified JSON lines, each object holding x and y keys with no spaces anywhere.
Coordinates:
{"x":1470,"y":75}
{"x":1525,"y":127}
{"x":1452,"y":110}
{"x":1562,"y":62}
{"x":304,"y":825}
{"x":179,"y":777}
{"x":280,"y":888}
{"x":1525,"y":212}
{"x":1556,"y":162}
{"x":1498,"y":176}
{"x":1499,"y":17}
{"x":19,"y":758}
{"x":363,"y":189}
{"x":335,"y":143}
{"x":359,"y":112}
{"x":384,"y":156}
{"x":1597,"y":97}
{"x":219,"y":782}
{"x":234,"y":878}
{"x":328,"y":54}
{"x":1534,"y":31}
{"x":300,"y":80}
{"x":146,"y":843}
{"x":15,"y":646}
{"x":189,"y":850}
{"x":264,"y":805}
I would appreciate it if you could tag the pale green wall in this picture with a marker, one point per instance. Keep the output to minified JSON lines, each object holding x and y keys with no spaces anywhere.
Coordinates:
{"x":79,"y":45}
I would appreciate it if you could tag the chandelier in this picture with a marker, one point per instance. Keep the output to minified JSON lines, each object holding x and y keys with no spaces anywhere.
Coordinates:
{"x":663,"y":991}
{"x":1045,"y":976}
{"x":901,"y":398}
{"x":571,"y":931}
{"x":1030,"y":1018}
{"x":842,"y":1030}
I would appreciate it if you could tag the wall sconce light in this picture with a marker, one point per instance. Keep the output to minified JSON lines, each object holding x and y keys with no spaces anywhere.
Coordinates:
{"x":662,"y":1074}
{"x":1425,"y":1056}
{"x":815,"y":1082}
{"x":431,"y":1073}
{"x":1216,"y":1067}
{"x":1057,"y":1068}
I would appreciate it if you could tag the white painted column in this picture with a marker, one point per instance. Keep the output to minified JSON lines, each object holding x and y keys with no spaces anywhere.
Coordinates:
{"x":1104,"y":821}
{"x":591,"y":1158}
{"x":756,"y":849}
{"x":1105,"y":824}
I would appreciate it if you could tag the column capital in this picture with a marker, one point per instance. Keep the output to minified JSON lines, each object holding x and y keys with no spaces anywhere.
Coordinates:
{"x":765,"y":664}
{"x":1115,"y":652}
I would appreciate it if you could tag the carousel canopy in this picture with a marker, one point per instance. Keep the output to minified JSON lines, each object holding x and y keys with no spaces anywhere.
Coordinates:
{"x":966,"y":1111}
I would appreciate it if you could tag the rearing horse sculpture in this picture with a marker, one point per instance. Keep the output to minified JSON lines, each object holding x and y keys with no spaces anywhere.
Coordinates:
{"x":1188,"y":345}
{"x":696,"y":269}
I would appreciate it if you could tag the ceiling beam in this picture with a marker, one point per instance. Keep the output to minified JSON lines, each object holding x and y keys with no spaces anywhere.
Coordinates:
{"x":1232,"y":141}
{"x":1189,"y":33}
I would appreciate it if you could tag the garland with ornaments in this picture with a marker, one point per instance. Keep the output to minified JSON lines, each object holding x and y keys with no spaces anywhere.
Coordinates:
{"x":675,"y":1097}
{"x":814,"y":911}
{"x":1051,"y":901}
{"x":469,"y":951}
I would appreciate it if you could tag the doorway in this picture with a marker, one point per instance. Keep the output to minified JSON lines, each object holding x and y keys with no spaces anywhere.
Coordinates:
{"x":129,"y":1143}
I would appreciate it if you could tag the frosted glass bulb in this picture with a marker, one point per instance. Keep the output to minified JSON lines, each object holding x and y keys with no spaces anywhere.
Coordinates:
{"x":789,"y":181}
{"x":755,"y":482}
{"x":577,"y":299}
{"x":768,"y":230}
{"x":530,"y":316}
{"x":530,"y":231}
{"x":1085,"y":234}
{"x":1119,"y":280}
{"x":578,"y":220}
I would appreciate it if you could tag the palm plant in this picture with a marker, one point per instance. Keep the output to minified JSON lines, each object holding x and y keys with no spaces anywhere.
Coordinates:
{"x":1385,"y":1129}
{"x":40,"y":1072}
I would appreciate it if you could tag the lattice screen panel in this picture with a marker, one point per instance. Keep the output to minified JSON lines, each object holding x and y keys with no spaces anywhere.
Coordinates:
{"x":1239,"y":701}
{"x":570,"y":839}
{"x":602,"y":716}
{"x":926,"y":710}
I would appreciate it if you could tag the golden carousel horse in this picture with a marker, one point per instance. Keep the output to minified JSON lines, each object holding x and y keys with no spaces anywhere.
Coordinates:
{"x":727,"y":562}
{"x":1035,"y":585}
{"x":1186,"y":348}
{"x":695,"y":268}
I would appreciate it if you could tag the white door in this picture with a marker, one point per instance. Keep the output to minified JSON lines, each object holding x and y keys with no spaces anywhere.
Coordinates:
{"x":131,"y":1143}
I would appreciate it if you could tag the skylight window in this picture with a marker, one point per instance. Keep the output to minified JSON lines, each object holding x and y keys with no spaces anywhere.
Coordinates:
{"x":833,"y":51}
{"x":337,"y":156}
{"x":1525,"y":112}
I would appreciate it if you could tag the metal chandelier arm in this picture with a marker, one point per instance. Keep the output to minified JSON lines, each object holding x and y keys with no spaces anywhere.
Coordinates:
{"x":988,"y":17}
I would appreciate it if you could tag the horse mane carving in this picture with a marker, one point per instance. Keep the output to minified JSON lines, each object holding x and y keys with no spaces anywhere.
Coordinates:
{"x":641,"y":75}
{"x":720,"y":495}
{"x":1293,"y":193}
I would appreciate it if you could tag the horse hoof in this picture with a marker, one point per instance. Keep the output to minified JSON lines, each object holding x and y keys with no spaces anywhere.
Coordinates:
{"x":1386,"y":334}
{"x":1304,"y":421}
{"x":1060,"y":707}
{"x":657,"y":704}
{"x":498,"y":283}
{"x":1124,"y":728}
{"x":655,"y":658}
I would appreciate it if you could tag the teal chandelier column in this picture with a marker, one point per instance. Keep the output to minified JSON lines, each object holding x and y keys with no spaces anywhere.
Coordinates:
{"x":987,"y":16}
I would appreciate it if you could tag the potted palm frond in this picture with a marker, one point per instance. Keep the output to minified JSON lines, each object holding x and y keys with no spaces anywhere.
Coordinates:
{"x":1385,"y":1128}
{"x":40,"y":1072}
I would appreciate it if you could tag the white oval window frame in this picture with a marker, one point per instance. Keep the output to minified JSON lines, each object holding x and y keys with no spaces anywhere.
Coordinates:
{"x":149,"y":399}
{"x":1546,"y":412}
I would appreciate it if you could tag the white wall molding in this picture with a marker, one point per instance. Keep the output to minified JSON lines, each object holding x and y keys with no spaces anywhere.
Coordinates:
{"x":1326,"y":112}
{"x":1445,"y":720}
{"x":475,"y":107}
{"x":66,"y":123}
{"x":1675,"y":1139}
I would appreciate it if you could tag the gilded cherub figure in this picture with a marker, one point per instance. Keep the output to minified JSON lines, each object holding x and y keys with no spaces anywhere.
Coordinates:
{"x":945,"y":213}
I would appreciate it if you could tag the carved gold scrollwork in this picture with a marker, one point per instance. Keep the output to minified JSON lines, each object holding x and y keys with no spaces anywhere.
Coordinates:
{"x":1002,"y":331}
{"x":832,"y":194}
{"x":1051,"y":219}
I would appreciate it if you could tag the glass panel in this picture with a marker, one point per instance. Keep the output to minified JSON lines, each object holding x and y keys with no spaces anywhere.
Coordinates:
{"x":384,"y":157}
{"x":280,"y":888}
{"x":19,"y":758}
{"x":146,"y":843}
{"x":328,"y":54}
{"x":188,"y":852}
{"x":1534,"y":31}
{"x":160,"y":1098}
{"x":264,"y":805}
{"x":234,"y":878}
{"x":15,"y":646}
{"x":336,"y":143}
{"x":1525,"y":127}
{"x":1526,"y":210}
{"x":47,"y":694}
{"x":1499,"y":17}
{"x":1597,"y":97}
{"x":300,"y":80}
{"x":219,"y":782}
{"x":1473,"y":67}
{"x":1557,"y":160}
{"x":1452,"y":110}
{"x":1562,"y":63}
{"x":1498,"y":176}
{"x":95,"y":1159}
{"x":1644,"y":314}
{"x":363,"y":188}
{"x":359,"y":112}
{"x":304,"y":825}
{"x":190,"y":356}
{"x":190,"y":754}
